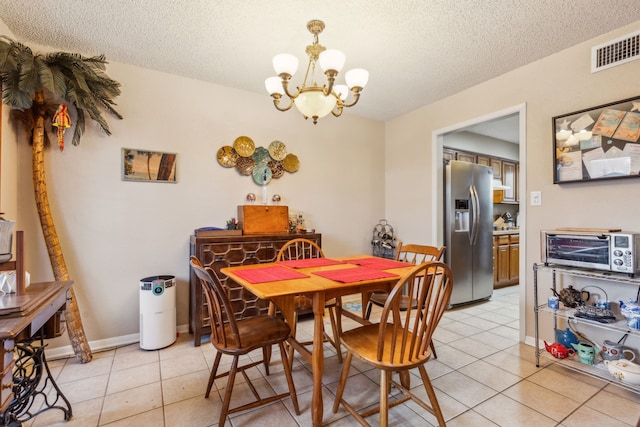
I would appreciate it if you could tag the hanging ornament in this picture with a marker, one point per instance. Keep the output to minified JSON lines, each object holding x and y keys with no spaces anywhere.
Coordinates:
{"x":62,"y":121}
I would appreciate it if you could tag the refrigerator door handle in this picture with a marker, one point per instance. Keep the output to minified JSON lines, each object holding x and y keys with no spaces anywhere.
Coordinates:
{"x":475,"y":205}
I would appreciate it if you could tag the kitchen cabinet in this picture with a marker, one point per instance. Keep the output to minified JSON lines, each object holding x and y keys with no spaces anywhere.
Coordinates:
{"x":466,"y":157}
{"x":619,"y":327}
{"x":448,"y":154}
{"x":506,"y":256}
{"x":218,"y":252}
{"x":509,"y":179}
{"x":507,"y":171}
{"x":514,"y":258}
{"x":492,"y":162}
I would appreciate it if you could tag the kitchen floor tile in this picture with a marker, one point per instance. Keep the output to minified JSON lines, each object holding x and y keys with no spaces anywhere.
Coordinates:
{"x":541,"y":399}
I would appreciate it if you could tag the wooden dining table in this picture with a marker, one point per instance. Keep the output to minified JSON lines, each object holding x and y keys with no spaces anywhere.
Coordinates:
{"x":320,"y":280}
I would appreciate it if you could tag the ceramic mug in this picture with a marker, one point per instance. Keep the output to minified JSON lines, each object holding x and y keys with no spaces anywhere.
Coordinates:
{"x":586,"y":352}
{"x":553,"y":303}
{"x":614,"y":351}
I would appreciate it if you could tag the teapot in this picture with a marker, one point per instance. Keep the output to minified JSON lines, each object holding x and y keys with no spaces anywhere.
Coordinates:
{"x":571,"y":297}
{"x":566,"y":337}
{"x":559,"y":351}
{"x":631,"y":311}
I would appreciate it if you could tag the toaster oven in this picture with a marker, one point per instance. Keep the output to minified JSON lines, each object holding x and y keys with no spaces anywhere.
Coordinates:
{"x":607,"y":251}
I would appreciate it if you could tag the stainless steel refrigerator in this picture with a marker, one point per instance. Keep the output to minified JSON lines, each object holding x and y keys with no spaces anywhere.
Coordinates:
{"x":468,"y":232}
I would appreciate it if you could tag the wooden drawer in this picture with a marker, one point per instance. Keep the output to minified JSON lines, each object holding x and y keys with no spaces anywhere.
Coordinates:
{"x":503,"y":240}
{"x":7,"y":354}
{"x":514,"y":238}
{"x":6,"y":387}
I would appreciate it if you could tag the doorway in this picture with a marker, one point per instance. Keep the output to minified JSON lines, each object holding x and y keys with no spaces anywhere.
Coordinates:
{"x":518,"y":114}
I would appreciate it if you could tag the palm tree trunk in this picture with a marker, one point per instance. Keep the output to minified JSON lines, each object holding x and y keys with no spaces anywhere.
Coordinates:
{"x":75,"y":328}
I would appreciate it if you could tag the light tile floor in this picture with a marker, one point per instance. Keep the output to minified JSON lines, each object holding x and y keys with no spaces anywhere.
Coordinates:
{"x":483,"y":377}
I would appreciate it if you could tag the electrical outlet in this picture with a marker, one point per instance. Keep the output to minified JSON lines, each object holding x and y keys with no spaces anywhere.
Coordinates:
{"x":536,"y":198}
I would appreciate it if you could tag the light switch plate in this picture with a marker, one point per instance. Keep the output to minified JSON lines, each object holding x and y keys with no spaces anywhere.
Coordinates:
{"x":536,"y":198}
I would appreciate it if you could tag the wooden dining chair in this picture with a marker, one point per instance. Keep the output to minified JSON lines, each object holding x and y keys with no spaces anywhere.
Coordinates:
{"x":413,"y":254}
{"x":239,"y":337}
{"x":401,"y":341}
{"x":303,"y":249}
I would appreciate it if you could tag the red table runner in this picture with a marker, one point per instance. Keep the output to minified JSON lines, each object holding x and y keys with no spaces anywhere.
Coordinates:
{"x":349,"y":275}
{"x":309,"y":262}
{"x":379,"y":263}
{"x":268,"y":274}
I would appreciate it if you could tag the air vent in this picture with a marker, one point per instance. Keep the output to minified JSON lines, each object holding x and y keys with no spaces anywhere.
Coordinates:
{"x":615,"y":52}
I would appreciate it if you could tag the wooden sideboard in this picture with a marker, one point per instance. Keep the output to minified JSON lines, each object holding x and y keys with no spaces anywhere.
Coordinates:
{"x":228,"y":251}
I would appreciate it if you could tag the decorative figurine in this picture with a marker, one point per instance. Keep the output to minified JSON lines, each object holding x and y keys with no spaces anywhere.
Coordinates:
{"x":251,"y":198}
{"x":276,"y":199}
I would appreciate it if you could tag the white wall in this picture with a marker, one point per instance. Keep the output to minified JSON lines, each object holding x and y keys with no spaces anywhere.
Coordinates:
{"x":555,"y":85}
{"x":113,"y":233}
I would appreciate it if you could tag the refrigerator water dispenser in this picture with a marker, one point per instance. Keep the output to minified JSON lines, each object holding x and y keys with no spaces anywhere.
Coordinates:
{"x":461,"y":215}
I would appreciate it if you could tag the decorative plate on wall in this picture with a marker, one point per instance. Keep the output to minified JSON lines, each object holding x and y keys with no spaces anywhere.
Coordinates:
{"x":244,"y":146}
{"x":261,"y":175}
{"x":261,"y":156}
{"x":245,"y":165}
{"x":277,"y":168}
{"x":291,"y":163}
{"x":277,"y":150}
{"x":227,"y":156}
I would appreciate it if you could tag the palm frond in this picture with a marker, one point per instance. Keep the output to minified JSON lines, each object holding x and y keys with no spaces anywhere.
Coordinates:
{"x":11,"y":93}
{"x":59,"y":81}
{"x":79,"y":129}
{"x":7,"y":58}
{"x":28,"y":75}
{"x":80,"y":80}
{"x":44,"y":74}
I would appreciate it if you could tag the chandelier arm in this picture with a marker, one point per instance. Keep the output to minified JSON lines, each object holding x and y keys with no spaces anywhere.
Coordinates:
{"x":337,"y":112}
{"x":285,"y":85}
{"x":331,"y":78}
{"x":356,"y":96}
{"x":276,"y":102}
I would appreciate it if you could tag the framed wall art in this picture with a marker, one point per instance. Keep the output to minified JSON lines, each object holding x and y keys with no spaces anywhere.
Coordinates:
{"x":150,"y":166}
{"x":598,"y":143}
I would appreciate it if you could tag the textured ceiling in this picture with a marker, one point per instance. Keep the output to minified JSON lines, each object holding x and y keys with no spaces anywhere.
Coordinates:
{"x":417,"y":52}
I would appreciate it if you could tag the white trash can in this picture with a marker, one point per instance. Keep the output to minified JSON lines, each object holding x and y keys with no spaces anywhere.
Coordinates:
{"x":157,"y":312}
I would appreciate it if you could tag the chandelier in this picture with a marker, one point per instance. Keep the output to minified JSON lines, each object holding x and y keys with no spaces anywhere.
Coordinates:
{"x":311,"y":99}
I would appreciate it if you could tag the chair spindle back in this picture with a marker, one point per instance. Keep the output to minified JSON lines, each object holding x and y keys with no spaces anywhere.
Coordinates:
{"x":406,"y":335}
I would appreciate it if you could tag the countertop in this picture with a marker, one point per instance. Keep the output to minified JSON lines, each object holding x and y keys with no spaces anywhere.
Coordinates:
{"x":509,"y":231}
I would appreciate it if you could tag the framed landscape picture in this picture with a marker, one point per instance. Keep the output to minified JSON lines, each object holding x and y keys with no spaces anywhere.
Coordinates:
{"x":598,"y":143}
{"x":150,"y":166}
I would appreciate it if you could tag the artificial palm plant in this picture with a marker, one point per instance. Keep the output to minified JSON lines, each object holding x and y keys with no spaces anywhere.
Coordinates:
{"x":33,"y":85}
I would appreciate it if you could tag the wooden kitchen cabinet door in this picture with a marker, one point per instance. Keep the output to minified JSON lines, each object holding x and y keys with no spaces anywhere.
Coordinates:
{"x":502,"y":263}
{"x":514,"y":262}
{"x":509,"y":179}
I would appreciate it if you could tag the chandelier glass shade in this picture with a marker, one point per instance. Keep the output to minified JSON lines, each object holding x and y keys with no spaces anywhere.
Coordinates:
{"x":311,"y":99}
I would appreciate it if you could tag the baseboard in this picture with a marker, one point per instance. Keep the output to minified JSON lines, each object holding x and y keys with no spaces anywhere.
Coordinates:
{"x":103,"y":345}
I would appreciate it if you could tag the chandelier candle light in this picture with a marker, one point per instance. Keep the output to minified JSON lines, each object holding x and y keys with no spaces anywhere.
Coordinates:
{"x":311,"y":99}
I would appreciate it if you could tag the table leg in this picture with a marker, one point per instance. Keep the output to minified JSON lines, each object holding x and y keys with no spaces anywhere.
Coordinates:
{"x":317,"y":359}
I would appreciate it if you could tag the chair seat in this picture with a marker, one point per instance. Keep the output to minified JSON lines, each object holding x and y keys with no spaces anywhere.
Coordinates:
{"x":255,"y":332}
{"x":379,"y":298}
{"x":363,"y":343}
